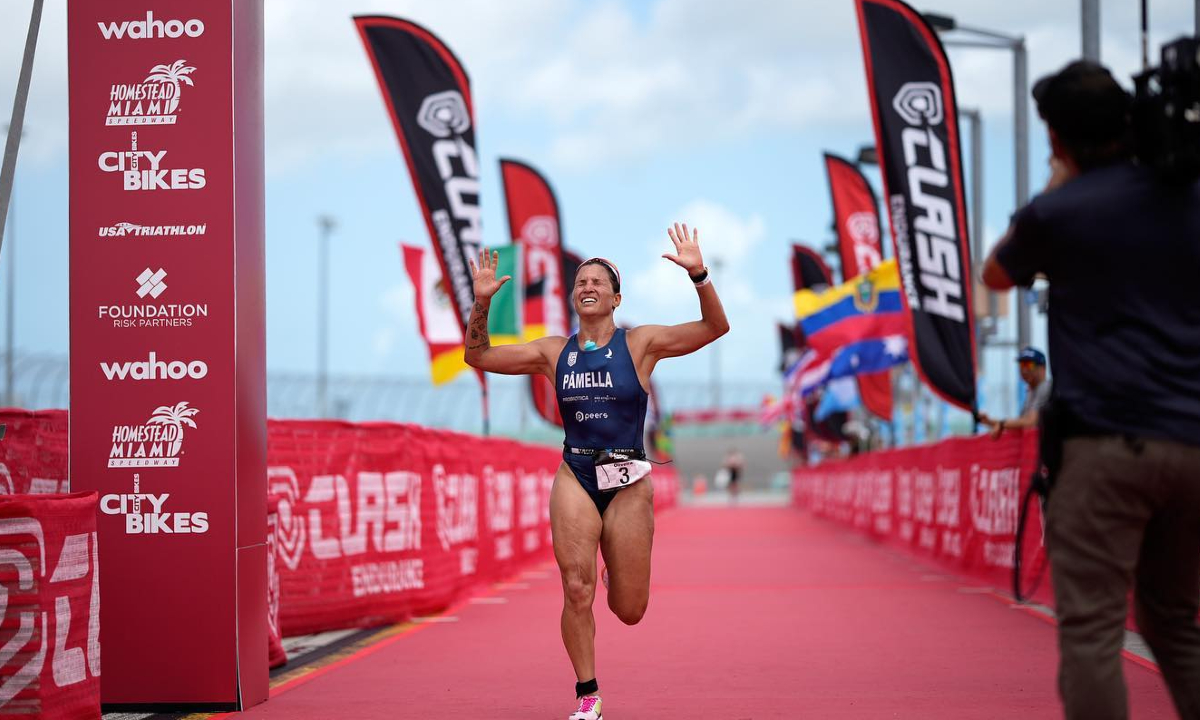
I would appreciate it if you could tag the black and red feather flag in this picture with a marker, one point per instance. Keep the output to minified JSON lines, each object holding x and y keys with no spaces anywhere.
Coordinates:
{"x":856,"y":223}
{"x":917,"y":139}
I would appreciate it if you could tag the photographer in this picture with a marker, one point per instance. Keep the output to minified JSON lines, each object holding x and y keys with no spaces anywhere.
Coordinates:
{"x":1120,"y":247}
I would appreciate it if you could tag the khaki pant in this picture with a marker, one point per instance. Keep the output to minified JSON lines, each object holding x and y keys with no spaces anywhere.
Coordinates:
{"x":1125,"y":513}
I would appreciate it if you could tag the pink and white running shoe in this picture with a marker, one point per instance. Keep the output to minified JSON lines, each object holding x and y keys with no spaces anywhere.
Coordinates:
{"x":589,"y":709}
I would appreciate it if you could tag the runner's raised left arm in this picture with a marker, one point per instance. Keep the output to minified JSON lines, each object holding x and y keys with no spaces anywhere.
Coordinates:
{"x":664,"y":341}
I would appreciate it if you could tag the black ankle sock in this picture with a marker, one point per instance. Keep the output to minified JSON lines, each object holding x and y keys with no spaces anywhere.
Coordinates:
{"x":591,"y":687}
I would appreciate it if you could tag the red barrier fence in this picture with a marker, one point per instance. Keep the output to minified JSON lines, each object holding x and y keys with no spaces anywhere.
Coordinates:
{"x":956,"y":501}
{"x":50,"y":597}
{"x":375,"y":522}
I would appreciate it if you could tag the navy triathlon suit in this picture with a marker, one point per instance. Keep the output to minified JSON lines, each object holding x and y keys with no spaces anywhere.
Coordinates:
{"x":603,"y":407}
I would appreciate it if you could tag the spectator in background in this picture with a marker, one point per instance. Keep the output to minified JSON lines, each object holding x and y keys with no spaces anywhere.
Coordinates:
{"x":1033,"y":371}
{"x":733,"y":466}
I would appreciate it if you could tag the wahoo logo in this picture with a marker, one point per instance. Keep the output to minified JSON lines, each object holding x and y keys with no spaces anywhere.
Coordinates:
{"x":581,"y":380}
{"x":150,"y":28}
{"x":445,"y":116}
{"x":155,"y":369}
{"x":931,"y":193}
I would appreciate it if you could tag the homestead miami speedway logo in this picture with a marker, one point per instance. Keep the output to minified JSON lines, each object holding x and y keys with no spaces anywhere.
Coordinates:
{"x":158,"y":442}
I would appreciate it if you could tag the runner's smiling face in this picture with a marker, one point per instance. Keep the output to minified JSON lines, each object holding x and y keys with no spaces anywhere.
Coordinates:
{"x":593,"y":295}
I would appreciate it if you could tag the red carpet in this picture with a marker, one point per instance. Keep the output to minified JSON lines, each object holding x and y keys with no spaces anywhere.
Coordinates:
{"x":755,"y":613}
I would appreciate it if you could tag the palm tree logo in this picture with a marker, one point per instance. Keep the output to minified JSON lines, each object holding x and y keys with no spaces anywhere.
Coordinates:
{"x":175,"y":74}
{"x":175,"y":417}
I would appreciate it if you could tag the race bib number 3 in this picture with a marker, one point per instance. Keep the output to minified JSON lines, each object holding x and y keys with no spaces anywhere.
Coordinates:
{"x":614,"y":476}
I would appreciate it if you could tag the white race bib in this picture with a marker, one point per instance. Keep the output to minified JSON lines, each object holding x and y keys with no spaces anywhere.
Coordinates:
{"x":614,"y":476}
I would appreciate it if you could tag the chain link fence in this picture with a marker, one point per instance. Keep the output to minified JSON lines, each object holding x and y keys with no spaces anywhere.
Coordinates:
{"x":41,"y":381}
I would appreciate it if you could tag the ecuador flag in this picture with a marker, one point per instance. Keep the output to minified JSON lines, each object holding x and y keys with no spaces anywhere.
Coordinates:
{"x":856,"y":327}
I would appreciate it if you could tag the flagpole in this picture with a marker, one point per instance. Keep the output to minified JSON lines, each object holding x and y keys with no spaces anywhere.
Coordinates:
{"x":483,"y":388}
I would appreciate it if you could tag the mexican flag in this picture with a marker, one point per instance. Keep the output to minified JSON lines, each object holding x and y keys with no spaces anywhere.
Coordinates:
{"x":504,"y":323}
{"x":438,"y":322}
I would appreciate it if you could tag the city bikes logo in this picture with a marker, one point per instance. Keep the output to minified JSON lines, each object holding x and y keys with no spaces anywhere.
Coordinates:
{"x":150,"y":29}
{"x":156,"y":520}
{"x":144,"y":169}
{"x":158,"y":442}
{"x":125,"y":229}
{"x":153,"y":101}
{"x":445,"y":116}
{"x":930,"y":191}
{"x":155,"y":369}
{"x":158,"y":315}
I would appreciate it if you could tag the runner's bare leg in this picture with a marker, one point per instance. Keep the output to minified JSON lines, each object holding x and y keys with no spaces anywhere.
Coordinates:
{"x":625,"y":543}
{"x":575,"y":524}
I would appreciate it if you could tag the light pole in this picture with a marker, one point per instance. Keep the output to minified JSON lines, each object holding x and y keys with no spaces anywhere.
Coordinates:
{"x":716,"y":355}
{"x":325,"y":226}
{"x":1016,"y":43}
{"x":1089,"y":29}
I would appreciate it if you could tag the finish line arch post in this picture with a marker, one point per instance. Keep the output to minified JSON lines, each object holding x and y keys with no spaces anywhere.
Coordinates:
{"x":168,"y":378}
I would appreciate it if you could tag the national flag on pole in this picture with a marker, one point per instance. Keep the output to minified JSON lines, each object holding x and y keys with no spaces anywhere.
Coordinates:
{"x":435,"y":315}
{"x":853,"y":328}
{"x":504,"y":319}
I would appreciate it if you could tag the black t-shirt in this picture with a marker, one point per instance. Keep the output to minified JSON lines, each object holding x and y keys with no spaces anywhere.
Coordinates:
{"x":1122,"y":253}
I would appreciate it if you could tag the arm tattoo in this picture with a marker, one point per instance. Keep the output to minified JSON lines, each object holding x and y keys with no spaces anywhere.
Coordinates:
{"x":478,"y":327}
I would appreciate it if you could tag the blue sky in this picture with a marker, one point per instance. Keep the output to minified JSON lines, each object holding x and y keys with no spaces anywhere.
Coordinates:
{"x":709,"y":112}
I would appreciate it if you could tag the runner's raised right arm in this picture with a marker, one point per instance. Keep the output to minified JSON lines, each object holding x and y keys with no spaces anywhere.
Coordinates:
{"x":531,"y":358}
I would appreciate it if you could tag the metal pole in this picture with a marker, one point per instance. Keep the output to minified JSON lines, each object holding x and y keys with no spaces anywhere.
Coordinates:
{"x":325,"y":225}
{"x":1021,"y":148}
{"x":13,"y":143}
{"x":976,"y":120}
{"x":9,"y":331}
{"x":1197,"y":17}
{"x":1090,"y":29}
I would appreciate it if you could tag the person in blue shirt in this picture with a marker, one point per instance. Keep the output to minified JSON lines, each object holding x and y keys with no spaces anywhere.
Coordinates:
{"x":602,"y":495}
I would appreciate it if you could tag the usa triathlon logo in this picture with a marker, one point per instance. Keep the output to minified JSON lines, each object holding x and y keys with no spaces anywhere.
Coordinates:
{"x":158,"y":442}
{"x":153,"y":101}
{"x":127,"y":229}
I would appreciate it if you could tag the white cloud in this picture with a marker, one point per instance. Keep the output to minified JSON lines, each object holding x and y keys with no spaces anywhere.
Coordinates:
{"x":660,"y":294}
{"x":400,"y":327}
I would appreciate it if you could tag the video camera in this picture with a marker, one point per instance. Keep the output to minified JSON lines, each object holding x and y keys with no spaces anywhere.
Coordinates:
{"x":1166,"y":112}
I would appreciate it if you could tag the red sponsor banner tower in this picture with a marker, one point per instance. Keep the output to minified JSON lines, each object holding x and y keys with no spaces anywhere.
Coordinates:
{"x":168,"y":390}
